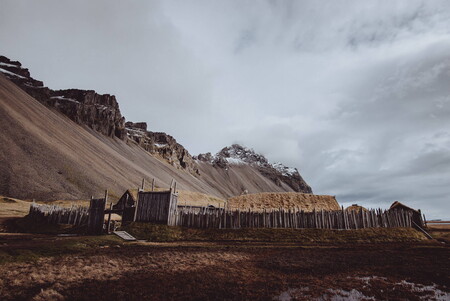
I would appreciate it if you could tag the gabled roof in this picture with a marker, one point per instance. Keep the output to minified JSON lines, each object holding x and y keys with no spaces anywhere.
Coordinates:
{"x":132,"y":194}
{"x":398,"y":205}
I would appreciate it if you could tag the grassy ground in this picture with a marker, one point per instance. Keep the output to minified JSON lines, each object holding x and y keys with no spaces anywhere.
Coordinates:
{"x":441,"y":232}
{"x":213,"y":264}
{"x":96,"y":268}
{"x":31,"y":247}
{"x":13,"y":207}
{"x":161,"y":233}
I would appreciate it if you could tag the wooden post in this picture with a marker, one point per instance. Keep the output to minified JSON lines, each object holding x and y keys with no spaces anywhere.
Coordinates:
{"x":175,"y":188}
{"x":153,"y":184}
{"x":136,"y":207}
{"x":109,"y":218}
{"x":143,"y":183}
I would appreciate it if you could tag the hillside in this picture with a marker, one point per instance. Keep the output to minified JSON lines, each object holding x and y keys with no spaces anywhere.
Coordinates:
{"x":71,"y":144}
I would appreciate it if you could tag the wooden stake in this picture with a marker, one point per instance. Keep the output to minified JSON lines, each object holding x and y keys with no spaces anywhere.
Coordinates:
{"x":136,"y":207}
{"x":109,"y":219}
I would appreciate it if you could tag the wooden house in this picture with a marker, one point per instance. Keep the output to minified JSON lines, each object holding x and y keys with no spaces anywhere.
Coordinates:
{"x":127,"y":200}
{"x":140,"y":205}
{"x":416,"y":214}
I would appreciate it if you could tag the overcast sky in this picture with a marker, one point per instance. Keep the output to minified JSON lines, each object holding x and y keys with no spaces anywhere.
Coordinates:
{"x":355,"y":94}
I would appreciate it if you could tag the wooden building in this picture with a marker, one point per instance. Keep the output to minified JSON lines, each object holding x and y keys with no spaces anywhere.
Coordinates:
{"x":146,"y":206}
{"x":127,"y":200}
{"x":416,"y":214}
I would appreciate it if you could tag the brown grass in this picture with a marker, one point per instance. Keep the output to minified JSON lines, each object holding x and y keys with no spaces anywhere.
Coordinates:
{"x":192,"y":198}
{"x":271,"y":200}
{"x":10,"y":207}
{"x":163,"y":233}
{"x":50,"y":275}
{"x":217,"y":271}
{"x":439,"y":231}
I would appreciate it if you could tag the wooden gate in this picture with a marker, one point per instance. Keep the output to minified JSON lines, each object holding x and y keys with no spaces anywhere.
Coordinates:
{"x":156,"y":206}
{"x":96,"y":216}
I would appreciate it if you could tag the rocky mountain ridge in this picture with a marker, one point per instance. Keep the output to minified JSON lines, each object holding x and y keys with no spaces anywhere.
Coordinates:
{"x":240,"y":155}
{"x":102,"y":114}
{"x":99,"y":112}
{"x":163,"y":145}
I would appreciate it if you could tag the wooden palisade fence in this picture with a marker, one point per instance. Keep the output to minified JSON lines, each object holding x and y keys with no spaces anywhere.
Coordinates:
{"x":162,"y":207}
{"x":291,"y":218}
{"x":74,"y":215}
{"x":92,"y":217}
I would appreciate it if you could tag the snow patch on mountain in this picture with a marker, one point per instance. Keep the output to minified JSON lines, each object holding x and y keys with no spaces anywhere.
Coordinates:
{"x":240,"y":155}
{"x":11,"y":73}
{"x":285,"y":171}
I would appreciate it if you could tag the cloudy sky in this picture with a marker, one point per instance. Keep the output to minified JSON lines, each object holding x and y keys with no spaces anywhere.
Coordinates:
{"x":355,"y":94}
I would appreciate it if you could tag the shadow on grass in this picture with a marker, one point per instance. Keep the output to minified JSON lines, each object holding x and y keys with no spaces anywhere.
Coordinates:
{"x":164,"y":233}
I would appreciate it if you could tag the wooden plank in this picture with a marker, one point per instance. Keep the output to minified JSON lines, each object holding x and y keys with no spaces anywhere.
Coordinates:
{"x":124,"y":235}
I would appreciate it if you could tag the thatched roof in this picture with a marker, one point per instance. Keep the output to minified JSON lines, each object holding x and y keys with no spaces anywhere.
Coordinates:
{"x":356,"y":207}
{"x":398,"y":205}
{"x":275,"y":200}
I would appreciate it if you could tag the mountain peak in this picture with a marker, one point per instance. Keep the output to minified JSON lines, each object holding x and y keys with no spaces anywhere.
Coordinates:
{"x":240,"y":155}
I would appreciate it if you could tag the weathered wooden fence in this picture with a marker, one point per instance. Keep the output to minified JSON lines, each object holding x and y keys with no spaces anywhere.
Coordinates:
{"x":92,"y":217}
{"x":74,"y":215}
{"x":291,"y":218}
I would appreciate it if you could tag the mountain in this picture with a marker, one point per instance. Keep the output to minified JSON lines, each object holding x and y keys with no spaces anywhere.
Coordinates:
{"x":163,"y":145}
{"x":70,"y":144}
{"x":237,"y":155}
{"x":99,"y":112}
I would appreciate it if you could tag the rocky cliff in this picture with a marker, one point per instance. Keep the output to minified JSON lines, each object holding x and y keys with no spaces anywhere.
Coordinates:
{"x":163,"y":145}
{"x":239,"y":155}
{"x":99,"y":112}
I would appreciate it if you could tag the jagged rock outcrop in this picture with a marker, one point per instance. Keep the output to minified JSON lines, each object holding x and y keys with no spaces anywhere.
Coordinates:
{"x":99,"y":112}
{"x":239,"y":155}
{"x":163,"y":145}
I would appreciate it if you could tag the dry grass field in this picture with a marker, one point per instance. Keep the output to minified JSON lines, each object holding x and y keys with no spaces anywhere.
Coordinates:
{"x":13,"y":207}
{"x":440,"y":231}
{"x":80,"y":268}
